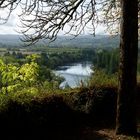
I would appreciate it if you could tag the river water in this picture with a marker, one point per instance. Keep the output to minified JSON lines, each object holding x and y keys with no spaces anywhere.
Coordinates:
{"x":75,"y":74}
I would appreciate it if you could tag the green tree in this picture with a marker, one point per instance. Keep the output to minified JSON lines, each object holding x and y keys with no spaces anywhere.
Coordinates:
{"x":15,"y":78}
{"x":28,"y":73}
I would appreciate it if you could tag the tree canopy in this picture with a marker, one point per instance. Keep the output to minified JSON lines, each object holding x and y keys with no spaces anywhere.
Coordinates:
{"x":45,"y":19}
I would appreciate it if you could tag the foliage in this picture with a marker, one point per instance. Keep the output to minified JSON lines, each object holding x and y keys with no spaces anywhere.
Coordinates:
{"x":14,"y":77}
{"x":45,"y":112}
{"x":100,"y":78}
{"x":26,"y":77}
{"x":108,"y":60}
{"x":121,"y":137}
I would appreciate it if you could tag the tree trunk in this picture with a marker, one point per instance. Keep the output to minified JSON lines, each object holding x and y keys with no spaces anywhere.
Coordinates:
{"x":126,"y":116}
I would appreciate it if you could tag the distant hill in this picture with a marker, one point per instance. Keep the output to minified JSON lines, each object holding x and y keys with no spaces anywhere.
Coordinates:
{"x":87,"y":41}
{"x":10,"y":40}
{"x":65,"y":41}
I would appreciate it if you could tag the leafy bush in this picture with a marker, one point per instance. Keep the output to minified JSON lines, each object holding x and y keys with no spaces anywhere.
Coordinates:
{"x":101,"y":79}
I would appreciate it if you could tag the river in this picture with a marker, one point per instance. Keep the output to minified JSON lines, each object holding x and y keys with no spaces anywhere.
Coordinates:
{"x":75,"y":74}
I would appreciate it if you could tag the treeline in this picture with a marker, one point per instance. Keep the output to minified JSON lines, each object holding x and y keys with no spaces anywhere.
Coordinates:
{"x":53,"y":59}
{"x":104,"y":59}
{"x":107,"y":60}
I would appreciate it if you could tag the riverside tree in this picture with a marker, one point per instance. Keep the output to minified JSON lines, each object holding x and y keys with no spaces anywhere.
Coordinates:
{"x":46,"y":18}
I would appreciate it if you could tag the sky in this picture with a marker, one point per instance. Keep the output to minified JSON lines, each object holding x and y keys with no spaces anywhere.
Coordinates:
{"x":12,"y":26}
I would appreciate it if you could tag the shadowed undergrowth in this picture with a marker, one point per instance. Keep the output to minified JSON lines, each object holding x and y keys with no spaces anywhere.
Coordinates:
{"x":77,"y":114}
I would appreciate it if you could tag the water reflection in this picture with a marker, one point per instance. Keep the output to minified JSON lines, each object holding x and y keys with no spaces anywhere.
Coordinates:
{"x":74,"y":74}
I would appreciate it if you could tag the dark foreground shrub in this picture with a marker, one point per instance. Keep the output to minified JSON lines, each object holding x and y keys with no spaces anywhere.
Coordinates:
{"x":55,"y":115}
{"x":38,"y":118}
{"x":99,"y":104}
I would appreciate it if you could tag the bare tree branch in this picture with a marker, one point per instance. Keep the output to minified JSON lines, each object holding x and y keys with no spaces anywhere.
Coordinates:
{"x":43,"y":19}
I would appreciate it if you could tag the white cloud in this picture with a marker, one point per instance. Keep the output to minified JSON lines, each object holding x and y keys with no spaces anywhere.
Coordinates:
{"x":12,"y":26}
{"x":101,"y":29}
